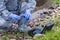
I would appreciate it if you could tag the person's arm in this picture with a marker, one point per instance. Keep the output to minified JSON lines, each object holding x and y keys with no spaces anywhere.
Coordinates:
{"x":27,"y":7}
{"x":31,"y":4}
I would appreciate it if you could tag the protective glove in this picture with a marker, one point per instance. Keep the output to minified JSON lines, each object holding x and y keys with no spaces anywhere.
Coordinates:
{"x":34,"y":31}
{"x":37,"y":31}
{"x":14,"y":17}
{"x":27,"y":14}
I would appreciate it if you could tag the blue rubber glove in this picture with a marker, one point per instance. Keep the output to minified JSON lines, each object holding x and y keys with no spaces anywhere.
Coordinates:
{"x":27,"y":14}
{"x":37,"y":31}
{"x":14,"y":17}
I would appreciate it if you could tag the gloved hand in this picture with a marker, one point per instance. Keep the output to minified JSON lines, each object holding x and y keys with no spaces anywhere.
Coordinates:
{"x":27,"y":14}
{"x":34,"y":31}
{"x":14,"y":17}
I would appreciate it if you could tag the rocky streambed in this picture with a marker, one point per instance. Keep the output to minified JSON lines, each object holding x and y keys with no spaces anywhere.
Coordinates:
{"x":45,"y":15}
{"x":37,"y":20}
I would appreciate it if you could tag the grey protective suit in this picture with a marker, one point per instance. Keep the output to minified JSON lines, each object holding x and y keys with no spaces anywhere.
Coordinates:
{"x":13,"y":6}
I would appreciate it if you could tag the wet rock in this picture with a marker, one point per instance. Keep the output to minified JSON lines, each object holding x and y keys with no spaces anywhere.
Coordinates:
{"x":12,"y":39}
{"x":38,"y":36}
{"x":58,"y":8}
{"x":19,"y":38}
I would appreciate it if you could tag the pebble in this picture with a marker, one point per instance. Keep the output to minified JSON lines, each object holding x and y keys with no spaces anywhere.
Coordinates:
{"x":12,"y":39}
{"x":38,"y":36}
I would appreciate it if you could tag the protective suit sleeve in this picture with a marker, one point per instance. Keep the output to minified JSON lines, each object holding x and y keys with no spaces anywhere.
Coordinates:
{"x":28,"y":5}
{"x":3,"y":9}
{"x":31,"y":4}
